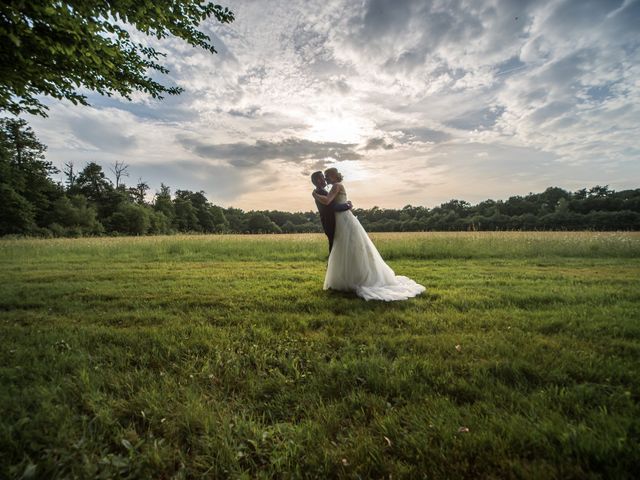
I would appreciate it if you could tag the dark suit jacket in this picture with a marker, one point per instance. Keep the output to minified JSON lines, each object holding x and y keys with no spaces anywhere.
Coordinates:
{"x":328,"y":215}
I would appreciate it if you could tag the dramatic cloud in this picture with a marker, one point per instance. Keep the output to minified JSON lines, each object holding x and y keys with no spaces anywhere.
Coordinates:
{"x":378,"y":142}
{"x":294,"y":150}
{"x":414,"y":101}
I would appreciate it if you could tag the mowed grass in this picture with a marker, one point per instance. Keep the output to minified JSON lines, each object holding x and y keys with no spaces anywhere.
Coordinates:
{"x":222,"y":357}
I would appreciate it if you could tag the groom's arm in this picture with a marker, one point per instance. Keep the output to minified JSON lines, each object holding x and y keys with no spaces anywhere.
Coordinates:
{"x":341,"y":207}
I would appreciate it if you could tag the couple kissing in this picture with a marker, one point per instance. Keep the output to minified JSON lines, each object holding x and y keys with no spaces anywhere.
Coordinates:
{"x":354,"y":264}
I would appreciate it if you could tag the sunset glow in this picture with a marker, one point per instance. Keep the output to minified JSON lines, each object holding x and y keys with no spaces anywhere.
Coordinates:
{"x":416,"y":102}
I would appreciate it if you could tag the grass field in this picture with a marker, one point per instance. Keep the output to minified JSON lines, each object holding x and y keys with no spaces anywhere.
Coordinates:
{"x":222,"y":357}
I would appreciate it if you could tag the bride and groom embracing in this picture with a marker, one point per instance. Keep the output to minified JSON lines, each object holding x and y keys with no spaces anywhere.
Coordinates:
{"x":354,"y":262}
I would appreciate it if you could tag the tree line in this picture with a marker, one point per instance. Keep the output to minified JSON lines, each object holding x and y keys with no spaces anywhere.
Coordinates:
{"x":88,"y":202}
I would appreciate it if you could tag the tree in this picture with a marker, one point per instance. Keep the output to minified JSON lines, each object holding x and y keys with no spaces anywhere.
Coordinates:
{"x":131,"y":219}
{"x":518,"y":205}
{"x":193,"y":212}
{"x":600,"y":191}
{"x":552,"y":195}
{"x":260,"y":223}
{"x":16,"y":213}
{"x":185,"y":219}
{"x":457,"y":206}
{"x":74,"y":214}
{"x":159,"y":223}
{"x":203,"y":211}
{"x":562,"y":206}
{"x":237,"y":219}
{"x":220,"y":222}
{"x":111,"y":201}
{"x":93,"y":183}
{"x":630,"y":200}
{"x":288,"y":227}
{"x":23,"y":167}
{"x":57,"y":48}
{"x":119,"y":169}
{"x":69,"y":174}
{"x":21,"y":142}
{"x":139,"y":192}
{"x":162,"y":202}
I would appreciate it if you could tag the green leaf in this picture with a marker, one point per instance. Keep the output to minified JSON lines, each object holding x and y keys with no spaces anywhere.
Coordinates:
{"x":14,"y":39}
{"x":30,"y":471}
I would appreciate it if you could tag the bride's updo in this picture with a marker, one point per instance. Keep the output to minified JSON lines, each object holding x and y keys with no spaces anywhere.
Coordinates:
{"x":334,"y":174}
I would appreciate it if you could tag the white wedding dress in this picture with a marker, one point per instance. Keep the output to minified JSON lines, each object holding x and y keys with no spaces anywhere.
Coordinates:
{"x":356,"y":266}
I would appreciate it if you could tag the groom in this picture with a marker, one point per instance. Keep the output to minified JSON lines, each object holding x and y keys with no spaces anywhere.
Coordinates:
{"x":327,"y":212}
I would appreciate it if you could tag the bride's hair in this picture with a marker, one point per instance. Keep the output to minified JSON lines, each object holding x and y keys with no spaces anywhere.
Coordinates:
{"x":335,"y":172}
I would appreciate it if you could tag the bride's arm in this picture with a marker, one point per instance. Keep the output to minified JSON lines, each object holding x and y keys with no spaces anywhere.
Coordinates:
{"x":327,"y":199}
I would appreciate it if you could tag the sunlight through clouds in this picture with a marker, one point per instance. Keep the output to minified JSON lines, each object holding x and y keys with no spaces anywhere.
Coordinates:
{"x":416,"y":102}
{"x":339,"y":128}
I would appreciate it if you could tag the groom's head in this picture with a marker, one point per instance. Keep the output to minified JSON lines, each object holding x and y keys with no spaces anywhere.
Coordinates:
{"x":317,"y":178}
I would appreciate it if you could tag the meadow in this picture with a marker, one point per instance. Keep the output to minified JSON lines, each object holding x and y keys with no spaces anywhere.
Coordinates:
{"x":222,"y":357}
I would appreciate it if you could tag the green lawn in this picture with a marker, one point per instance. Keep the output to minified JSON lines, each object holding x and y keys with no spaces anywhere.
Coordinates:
{"x":222,"y":357}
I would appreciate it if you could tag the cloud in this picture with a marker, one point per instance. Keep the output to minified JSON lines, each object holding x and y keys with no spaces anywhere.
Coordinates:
{"x":479,"y":119}
{"x":101,"y":132}
{"x":377,"y":143}
{"x":294,"y":150}
{"x":423,"y":134}
{"x":444,"y":98}
{"x":247,"y":112}
{"x":221,"y":183}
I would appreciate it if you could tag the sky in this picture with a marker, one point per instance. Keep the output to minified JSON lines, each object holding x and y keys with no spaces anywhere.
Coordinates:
{"x":415,"y":102}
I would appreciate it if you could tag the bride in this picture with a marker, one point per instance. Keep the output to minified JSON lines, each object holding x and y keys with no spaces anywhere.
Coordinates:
{"x":354,"y":262}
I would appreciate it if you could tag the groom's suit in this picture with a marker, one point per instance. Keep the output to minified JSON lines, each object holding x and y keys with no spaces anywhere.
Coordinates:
{"x":328,"y":215}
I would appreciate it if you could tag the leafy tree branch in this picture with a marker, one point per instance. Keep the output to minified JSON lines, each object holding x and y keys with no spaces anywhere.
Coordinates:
{"x":55,"y":48}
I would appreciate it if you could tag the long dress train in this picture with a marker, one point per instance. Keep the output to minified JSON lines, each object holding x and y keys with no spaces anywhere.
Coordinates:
{"x":356,"y":265}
